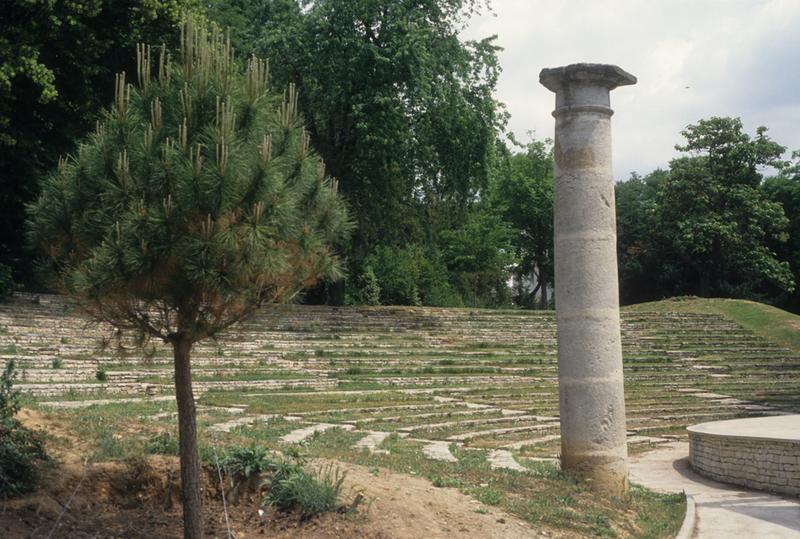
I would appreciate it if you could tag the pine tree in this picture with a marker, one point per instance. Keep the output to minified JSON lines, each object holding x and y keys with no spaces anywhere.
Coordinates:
{"x":196,"y":200}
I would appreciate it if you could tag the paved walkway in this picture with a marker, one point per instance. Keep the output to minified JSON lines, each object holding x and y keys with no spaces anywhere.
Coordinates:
{"x":723,"y":511}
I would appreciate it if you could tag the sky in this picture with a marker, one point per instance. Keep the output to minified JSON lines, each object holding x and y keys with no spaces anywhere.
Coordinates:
{"x":694,"y":59}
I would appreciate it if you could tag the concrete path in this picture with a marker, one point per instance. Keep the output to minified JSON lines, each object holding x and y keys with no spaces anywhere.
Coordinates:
{"x":723,"y":511}
{"x":300,"y":435}
{"x":502,"y":458}
{"x":372,"y":440}
{"x":228,"y":426}
{"x":439,"y":451}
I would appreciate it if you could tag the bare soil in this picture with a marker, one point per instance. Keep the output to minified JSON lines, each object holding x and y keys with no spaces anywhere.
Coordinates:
{"x":140,"y":498}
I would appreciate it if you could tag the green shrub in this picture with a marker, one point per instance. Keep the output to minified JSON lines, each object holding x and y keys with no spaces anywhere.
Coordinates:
{"x":367,"y":290}
{"x":244,"y":466}
{"x":309,"y":493}
{"x":244,"y":463}
{"x":412,"y":276}
{"x":21,"y":449}
{"x":163,"y":443}
{"x":397,"y":272}
{"x":9,"y":397}
{"x":101,"y":374}
{"x":292,"y":488}
{"x":56,"y":363}
{"x":6,"y":281}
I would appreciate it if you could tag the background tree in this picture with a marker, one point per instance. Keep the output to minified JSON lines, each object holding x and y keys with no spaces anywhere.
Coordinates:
{"x":478,"y":256}
{"x":705,"y":226}
{"x":196,"y":200}
{"x":522,"y":191}
{"x":56,"y":59}
{"x":716,"y":219}
{"x":398,"y":105}
{"x":640,"y":246}
{"x":785,"y":190}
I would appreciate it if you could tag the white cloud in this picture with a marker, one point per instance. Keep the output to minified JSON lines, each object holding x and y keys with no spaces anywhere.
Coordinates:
{"x":737,"y":57}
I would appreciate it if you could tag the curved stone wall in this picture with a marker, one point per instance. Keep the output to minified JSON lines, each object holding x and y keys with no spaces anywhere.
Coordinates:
{"x":762,"y":453}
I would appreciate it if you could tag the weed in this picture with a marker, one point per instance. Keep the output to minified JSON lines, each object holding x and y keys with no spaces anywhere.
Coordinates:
{"x":164,"y":443}
{"x":310,"y":493}
{"x":9,"y":397}
{"x":600,"y":525}
{"x":64,"y":340}
{"x":244,"y":463}
{"x":21,"y":449}
{"x":56,"y":363}
{"x":109,"y":447}
{"x":101,"y":374}
{"x":450,"y":482}
{"x":243,"y":466}
{"x":488,"y":495}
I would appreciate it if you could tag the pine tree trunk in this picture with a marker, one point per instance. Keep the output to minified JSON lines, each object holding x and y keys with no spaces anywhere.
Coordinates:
{"x":187,"y":430}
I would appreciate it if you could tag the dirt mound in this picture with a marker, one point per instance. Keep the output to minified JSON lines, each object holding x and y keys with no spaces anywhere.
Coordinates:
{"x":140,"y":498}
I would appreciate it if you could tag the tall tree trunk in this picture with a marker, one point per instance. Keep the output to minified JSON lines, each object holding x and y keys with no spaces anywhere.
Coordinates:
{"x":187,"y":431}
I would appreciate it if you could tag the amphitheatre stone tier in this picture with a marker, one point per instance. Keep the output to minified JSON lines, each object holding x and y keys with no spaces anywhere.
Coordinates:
{"x":761,"y":453}
{"x":449,"y":380}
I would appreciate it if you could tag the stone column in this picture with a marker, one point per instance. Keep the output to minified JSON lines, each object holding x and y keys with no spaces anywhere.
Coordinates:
{"x":590,"y":380}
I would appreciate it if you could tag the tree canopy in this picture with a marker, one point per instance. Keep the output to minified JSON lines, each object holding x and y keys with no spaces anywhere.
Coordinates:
{"x":522,"y":190}
{"x":197,"y":199}
{"x":56,"y":59}
{"x":705,"y":227}
{"x":400,"y":107}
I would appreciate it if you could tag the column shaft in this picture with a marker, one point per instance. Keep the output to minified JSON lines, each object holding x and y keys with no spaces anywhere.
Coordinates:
{"x":593,"y":434}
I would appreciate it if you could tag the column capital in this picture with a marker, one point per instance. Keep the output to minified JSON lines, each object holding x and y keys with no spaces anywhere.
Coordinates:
{"x":607,"y":76}
{"x":584,"y":87}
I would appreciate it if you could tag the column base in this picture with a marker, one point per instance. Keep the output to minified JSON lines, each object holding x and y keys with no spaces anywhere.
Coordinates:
{"x":607,"y":472}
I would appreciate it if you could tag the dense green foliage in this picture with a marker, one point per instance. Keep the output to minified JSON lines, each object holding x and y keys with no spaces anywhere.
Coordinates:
{"x":705,"y":226}
{"x":785,"y":190}
{"x":400,"y":108}
{"x":402,"y":111}
{"x":197,"y":198}
{"x":21,"y":449}
{"x":56,"y":61}
{"x":292,"y":487}
{"x":6,"y":281}
{"x":522,"y":193}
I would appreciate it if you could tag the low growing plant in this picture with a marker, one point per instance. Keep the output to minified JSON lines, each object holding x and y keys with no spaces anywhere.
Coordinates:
{"x":163,"y":443}
{"x":309,"y":493}
{"x":244,"y":466}
{"x":6,"y":282}
{"x":21,"y":449}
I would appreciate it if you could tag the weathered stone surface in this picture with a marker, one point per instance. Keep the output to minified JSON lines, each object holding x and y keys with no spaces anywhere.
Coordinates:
{"x":228,"y":426}
{"x":439,"y":451}
{"x":300,"y":435}
{"x":761,"y":453}
{"x":502,"y":458}
{"x":372,"y":440}
{"x":591,"y":391}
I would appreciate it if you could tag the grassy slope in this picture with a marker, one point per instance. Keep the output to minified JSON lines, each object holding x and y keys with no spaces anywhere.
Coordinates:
{"x":769,"y":322}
